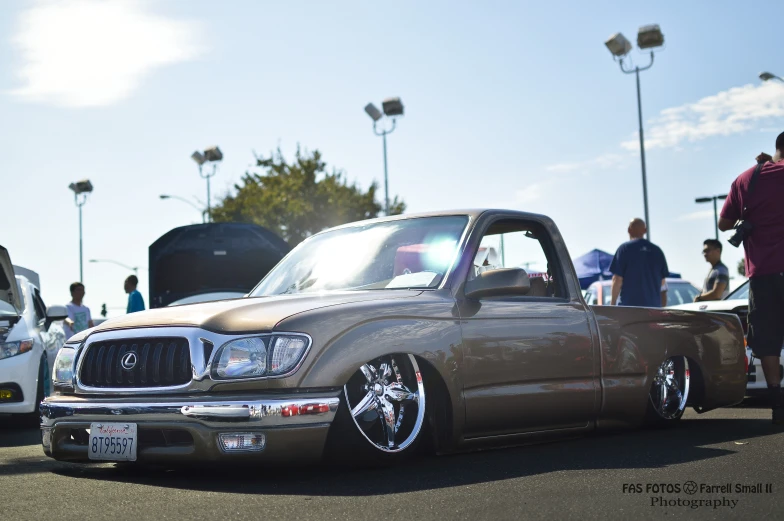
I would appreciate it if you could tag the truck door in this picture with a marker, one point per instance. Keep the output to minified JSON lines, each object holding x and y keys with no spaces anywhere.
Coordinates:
{"x":528,"y":360}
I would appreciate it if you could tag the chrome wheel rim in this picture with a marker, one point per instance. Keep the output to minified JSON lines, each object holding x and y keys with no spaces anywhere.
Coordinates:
{"x":386,"y":400}
{"x":670,"y":389}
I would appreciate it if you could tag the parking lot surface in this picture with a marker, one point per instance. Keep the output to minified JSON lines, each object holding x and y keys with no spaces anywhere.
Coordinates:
{"x":727,"y":463}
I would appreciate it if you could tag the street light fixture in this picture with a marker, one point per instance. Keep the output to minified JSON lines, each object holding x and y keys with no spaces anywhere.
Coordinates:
{"x":392,"y":108}
{"x":80,"y":190}
{"x":110,"y":261}
{"x":202,"y":211}
{"x":210,"y":155}
{"x":714,"y":199}
{"x":765,"y":76}
{"x":648,"y":37}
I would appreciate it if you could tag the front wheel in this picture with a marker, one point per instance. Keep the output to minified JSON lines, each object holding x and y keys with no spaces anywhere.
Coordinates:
{"x":382,"y":417}
{"x":669,"y":391}
{"x":42,"y":391}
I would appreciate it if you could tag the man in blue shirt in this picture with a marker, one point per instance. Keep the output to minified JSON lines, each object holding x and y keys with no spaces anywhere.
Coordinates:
{"x":135,"y":300}
{"x":639,"y":271}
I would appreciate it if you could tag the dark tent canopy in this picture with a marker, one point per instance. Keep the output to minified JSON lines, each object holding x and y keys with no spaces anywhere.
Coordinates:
{"x":213,"y":257}
{"x":595,"y":265}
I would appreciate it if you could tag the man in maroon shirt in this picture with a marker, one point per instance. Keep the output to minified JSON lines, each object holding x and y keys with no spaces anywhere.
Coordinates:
{"x":764,"y":245}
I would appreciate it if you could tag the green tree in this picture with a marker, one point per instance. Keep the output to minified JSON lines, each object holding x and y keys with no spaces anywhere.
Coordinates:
{"x":742,"y":267}
{"x":298,"y":199}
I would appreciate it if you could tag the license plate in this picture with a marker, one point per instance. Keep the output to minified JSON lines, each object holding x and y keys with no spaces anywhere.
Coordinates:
{"x":112,"y":442}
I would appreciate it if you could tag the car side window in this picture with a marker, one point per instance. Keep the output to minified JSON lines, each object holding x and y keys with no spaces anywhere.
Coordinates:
{"x":38,"y":304}
{"x":514,"y":243}
{"x":590,"y":298}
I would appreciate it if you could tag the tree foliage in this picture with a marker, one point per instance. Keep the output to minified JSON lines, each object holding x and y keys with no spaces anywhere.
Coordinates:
{"x":742,"y":267}
{"x":298,"y":199}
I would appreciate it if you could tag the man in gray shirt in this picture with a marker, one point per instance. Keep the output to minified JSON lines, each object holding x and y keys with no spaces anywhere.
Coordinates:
{"x":717,"y":283}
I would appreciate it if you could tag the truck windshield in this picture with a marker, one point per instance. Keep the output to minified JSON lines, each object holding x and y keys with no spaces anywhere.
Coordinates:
{"x":408,"y":253}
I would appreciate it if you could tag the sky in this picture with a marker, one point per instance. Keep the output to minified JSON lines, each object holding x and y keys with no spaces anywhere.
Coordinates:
{"x":514,"y":105}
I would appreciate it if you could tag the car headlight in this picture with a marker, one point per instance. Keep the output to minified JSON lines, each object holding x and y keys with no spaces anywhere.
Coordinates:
{"x":9,"y":349}
{"x":254,"y":357}
{"x":63,"y":372}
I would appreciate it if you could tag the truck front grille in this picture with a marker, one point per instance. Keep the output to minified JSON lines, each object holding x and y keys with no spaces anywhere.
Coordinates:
{"x":157,"y":362}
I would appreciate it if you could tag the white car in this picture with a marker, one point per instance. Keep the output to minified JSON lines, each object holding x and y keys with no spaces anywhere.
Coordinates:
{"x":737,"y":303}
{"x":679,"y":291}
{"x":30,"y":337}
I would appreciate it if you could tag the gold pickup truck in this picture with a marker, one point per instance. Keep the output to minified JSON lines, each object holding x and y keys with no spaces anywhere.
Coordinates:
{"x":375,"y":340}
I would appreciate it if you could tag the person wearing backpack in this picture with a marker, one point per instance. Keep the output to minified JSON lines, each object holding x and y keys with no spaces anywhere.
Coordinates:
{"x":755,"y":210}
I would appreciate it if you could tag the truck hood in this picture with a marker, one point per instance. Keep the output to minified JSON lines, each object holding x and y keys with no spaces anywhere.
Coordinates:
{"x":713,"y":305}
{"x":9,"y":291}
{"x":243,"y":315}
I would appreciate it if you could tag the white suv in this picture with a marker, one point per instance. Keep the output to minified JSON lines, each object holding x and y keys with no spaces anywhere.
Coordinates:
{"x":30,"y":337}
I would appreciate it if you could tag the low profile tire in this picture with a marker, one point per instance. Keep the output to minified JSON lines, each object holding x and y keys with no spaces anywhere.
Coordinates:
{"x":669,"y":392}
{"x":382,"y":415}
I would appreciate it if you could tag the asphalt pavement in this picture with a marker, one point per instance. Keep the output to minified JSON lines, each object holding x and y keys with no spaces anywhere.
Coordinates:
{"x":642,"y":474}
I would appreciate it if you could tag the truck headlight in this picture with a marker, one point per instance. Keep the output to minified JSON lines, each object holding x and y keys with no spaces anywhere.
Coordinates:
{"x":63,"y":372}
{"x":9,"y":349}
{"x":254,"y":357}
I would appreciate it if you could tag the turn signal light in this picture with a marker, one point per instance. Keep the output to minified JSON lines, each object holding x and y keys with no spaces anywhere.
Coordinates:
{"x":310,"y":408}
{"x":242,"y":441}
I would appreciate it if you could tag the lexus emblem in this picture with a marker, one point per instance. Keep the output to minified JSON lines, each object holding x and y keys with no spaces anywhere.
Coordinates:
{"x":128,"y":361}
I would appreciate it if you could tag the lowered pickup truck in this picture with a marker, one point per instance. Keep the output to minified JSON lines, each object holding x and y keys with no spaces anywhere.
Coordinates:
{"x":375,"y":339}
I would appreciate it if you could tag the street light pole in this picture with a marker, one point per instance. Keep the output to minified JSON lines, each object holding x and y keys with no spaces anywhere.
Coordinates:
{"x":135,"y":269}
{"x":383,"y":135}
{"x":80,"y":190}
{"x":392,"y":108}
{"x":765,"y":76}
{"x":79,"y":205}
{"x":207,"y":177}
{"x":715,"y":199}
{"x":636,"y":72}
{"x":210,"y":155}
{"x":202,"y":211}
{"x":648,"y":37}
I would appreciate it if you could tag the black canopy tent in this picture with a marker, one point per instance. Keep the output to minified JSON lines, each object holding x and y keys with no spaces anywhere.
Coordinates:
{"x":213,"y":257}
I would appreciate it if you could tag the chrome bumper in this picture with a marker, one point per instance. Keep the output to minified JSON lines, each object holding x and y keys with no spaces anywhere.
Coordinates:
{"x":295,"y":426}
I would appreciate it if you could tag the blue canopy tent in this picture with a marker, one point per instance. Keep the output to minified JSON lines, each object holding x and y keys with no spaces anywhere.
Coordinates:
{"x":595,"y":265}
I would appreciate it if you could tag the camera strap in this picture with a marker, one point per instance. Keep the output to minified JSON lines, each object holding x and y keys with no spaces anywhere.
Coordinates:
{"x":752,"y":184}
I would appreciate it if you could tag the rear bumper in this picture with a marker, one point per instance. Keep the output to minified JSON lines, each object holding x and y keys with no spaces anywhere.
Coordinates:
{"x":186,"y":430}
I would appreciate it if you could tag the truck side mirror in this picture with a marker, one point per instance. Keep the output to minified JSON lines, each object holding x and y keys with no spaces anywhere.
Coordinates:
{"x":500,"y":282}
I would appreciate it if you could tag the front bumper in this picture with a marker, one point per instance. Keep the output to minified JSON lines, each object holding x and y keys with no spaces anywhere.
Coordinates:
{"x":21,"y":370}
{"x":186,"y":429}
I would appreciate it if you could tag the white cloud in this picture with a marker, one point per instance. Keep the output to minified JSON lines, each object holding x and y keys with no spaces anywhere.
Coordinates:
{"x":84,"y":53}
{"x":602,"y":162}
{"x":532,"y":193}
{"x":732,"y":111}
{"x":696,"y":216}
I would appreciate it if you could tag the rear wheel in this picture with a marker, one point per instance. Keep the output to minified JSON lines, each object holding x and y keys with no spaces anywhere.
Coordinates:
{"x":669,"y":391}
{"x":382,"y":417}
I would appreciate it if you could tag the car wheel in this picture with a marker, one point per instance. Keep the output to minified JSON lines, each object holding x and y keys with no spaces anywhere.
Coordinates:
{"x":34,"y":418}
{"x":381,"y":419}
{"x":669,"y":391}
